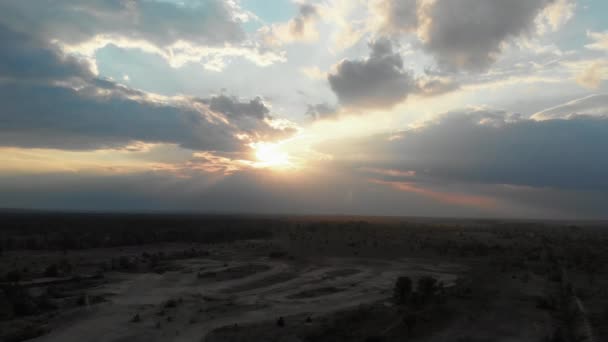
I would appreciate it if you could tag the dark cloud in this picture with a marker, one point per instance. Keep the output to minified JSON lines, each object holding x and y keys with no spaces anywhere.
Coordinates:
{"x":335,"y":190}
{"x":462,"y":34}
{"x":380,"y":81}
{"x":398,"y":16}
{"x":495,"y":147}
{"x":25,"y":58}
{"x":233,"y":108}
{"x":332,"y":192}
{"x":250,"y":116}
{"x":468,"y":33}
{"x":85,"y":112}
{"x":306,"y":14}
{"x":61,"y":117}
{"x":204,"y":22}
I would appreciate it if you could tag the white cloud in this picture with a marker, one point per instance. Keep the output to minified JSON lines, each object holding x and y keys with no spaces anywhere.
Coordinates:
{"x":181,"y":53}
{"x":593,"y":75}
{"x":313,"y":73}
{"x":554,"y":16}
{"x":600,"y":41}
{"x":592,"y":105}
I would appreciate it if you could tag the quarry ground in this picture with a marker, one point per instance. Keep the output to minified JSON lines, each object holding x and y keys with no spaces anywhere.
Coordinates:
{"x":199,"y":295}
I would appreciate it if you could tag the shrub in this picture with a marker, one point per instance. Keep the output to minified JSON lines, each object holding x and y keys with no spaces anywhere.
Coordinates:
{"x":52,"y":271}
{"x":427,"y":286}
{"x":13,"y":276}
{"x":21,"y":301}
{"x":82,"y":300}
{"x":281,"y":322}
{"x":403,"y":290}
{"x":171,"y":303}
{"x":277,"y":254}
{"x":375,"y":339}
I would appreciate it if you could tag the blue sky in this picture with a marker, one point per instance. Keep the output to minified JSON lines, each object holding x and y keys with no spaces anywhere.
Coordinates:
{"x":271,"y":11}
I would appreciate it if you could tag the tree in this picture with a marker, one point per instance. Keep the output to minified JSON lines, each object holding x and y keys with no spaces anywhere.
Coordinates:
{"x":52,"y":271}
{"x":13,"y":276}
{"x":403,"y":290}
{"x":427,"y":286}
{"x":281,"y":322}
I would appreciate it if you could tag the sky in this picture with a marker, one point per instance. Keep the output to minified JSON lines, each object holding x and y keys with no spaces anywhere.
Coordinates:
{"x":442,"y":108}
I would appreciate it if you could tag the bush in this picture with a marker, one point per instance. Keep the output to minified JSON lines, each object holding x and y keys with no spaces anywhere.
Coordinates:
{"x":13,"y":276}
{"x":44,"y":302}
{"x":136,"y":319}
{"x":125,"y":263}
{"x":171,"y":303}
{"x":375,"y":339}
{"x":546,"y":303}
{"x":26,"y":333}
{"x":427,"y":286}
{"x":82,"y":300}
{"x":51,"y":271}
{"x":281,"y":322}
{"x":22,"y":303}
{"x":403,"y":290}
{"x":277,"y":254}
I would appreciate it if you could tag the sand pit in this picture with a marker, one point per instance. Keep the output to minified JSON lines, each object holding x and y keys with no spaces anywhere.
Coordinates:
{"x":318,"y":292}
{"x":232,"y":273}
{"x":240,"y":292}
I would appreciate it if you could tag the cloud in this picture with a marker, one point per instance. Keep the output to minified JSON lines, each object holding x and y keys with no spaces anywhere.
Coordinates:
{"x":194,"y":31}
{"x":302,"y":28}
{"x":593,"y":76}
{"x":592,"y":105}
{"x":55,"y":101}
{"x":93,"y":118}
{"x":600,"y":41}
{"x":232,"y":108}
{"x":494,"y":147}
{"x":556,"y":14}
{"x":379,"y":81}
{"x":313,"y":73}
{"x":252,"y":191}
{"x":204,"y":22}
{"x":396,"y":16}
{"x":306,"y":13}
{"x":64,"y":118}
{"x":468,"y":34}
{"x":321,"y":111}
{"x":459,"y":199}
{"x":435,"y":86}
{"x":24,"y":58}
{"x":334,"y":189}
{"x":251,"y":117}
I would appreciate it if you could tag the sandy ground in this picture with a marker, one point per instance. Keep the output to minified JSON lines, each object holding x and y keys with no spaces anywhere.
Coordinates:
{"x":210,"y":294}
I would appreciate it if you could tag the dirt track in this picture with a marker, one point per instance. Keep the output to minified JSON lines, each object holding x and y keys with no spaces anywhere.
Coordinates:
{"x":242,"y":292}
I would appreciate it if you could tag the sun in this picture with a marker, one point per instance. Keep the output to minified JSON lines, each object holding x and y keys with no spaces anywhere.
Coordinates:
{"x":270,"y":155}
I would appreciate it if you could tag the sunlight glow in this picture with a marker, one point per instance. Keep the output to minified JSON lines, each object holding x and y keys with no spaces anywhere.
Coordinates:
{"x":270,"y":155}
